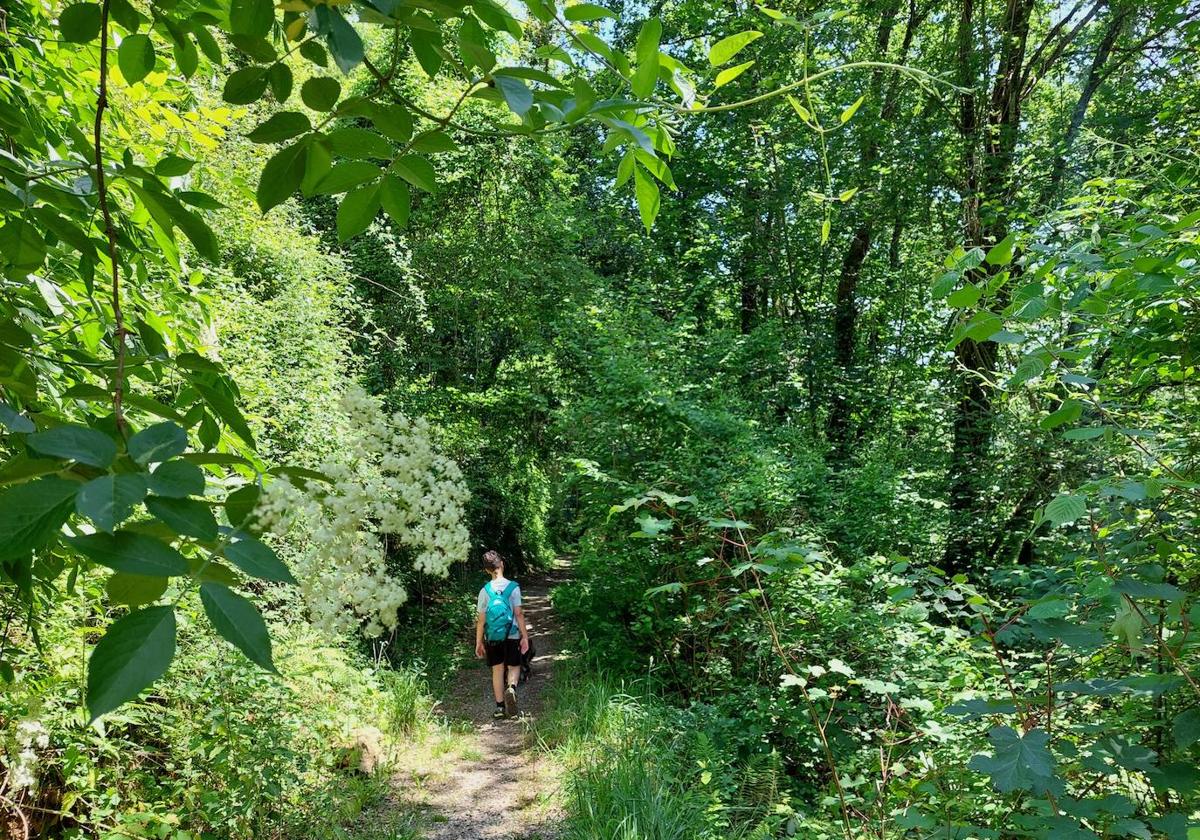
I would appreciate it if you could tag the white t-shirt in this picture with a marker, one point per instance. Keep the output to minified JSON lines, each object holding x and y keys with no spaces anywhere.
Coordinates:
{"x":514,"y":601}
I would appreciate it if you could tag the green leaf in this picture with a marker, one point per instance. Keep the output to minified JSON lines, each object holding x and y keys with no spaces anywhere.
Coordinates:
{"x":173,"y":165}
{"x":1030,"y":367}
{"x":240,"y":504}
{"x":280,"y":177}
{"x":279,"y":77}
{"x":1068,"y":412}
{"x":1065,"y":509}
{"x":245,"y":85}
{"x":1086,"y":433}
{"x":646,"y":53}
{"x":357,"y":210}
{"x":320,"y":93}
{"x":158,"y":443}
{"x":126,"y":551}
{"x":426,"y":47}
{"x":32,"y":514}
{"x":239,"y":622}
{"x":472,"y":44}
{"x":282,"y":126}
{"x":75,"y":443}
{"x":21,"y":244}
{"x":135,"y":652}
{"x":1018,"y":762}
{"x":1002,"y":252}
{"x":967,"y":296}
{"x":516,"y":93}
{"x":186,"y":517}
{"x":80,"y":23}
{"x":343,"y":41}
{"x":396,"y":199}
{"x":432,"y":142}
{"x":646,"y":191}
{"x":15,"y":422}
{"x":251,"y":17}
{"x":256,"y":559}
{"x":134,"y":590}
{"x":582,"y":12}
{"x":849,"y":113}
{"x":727,"y":48}
{"x":135,"y":57}
{"x":177,"y":480}
{"x":314,"y":53}
{"x":393,"y":121}
{"x":1186,"y":728}
{"x":355,"y":142}
{"x":345,"y":176}
{"x":110,"y":499}
{"x":730,"y":73}
{"x":417,"y":171}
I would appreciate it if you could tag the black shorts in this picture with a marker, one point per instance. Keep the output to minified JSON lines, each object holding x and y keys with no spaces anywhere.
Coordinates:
{"x":507,"y":652}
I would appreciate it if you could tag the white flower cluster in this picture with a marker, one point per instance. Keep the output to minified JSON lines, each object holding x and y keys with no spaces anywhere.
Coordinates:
{"x":389,"y":487}
{"x":30,"y":736}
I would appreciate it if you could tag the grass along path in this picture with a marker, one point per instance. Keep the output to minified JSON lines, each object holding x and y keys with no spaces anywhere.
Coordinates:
{"x":488,"y":779}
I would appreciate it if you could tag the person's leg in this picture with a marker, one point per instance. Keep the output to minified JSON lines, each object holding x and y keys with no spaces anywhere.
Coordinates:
{"x":498,"y":682}
{"x":512,"y":662}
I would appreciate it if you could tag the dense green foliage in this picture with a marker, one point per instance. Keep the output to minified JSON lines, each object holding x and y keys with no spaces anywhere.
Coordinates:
{"x":873,"y":437}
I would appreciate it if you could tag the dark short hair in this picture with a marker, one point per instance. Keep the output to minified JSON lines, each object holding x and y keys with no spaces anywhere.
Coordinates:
{"x":492,"y":560}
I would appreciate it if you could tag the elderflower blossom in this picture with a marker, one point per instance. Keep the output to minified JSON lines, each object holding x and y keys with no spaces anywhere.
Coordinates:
{"x":31,"y":735}
{"x":389,"y":488}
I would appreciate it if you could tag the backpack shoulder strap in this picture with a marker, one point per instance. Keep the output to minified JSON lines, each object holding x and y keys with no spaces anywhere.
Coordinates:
{"x":507,"y":593}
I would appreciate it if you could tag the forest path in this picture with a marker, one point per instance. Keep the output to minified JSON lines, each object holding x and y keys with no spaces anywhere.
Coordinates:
{"x":495,"y":784}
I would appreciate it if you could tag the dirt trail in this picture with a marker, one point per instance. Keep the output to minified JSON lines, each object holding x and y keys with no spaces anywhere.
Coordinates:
{"x":494,"y":784}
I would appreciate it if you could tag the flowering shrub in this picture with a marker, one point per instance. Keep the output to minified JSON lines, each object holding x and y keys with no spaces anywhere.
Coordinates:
{"x":387,"y":487}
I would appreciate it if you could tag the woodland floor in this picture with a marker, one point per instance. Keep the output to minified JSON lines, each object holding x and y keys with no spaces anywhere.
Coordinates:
{"x":489,"y":780}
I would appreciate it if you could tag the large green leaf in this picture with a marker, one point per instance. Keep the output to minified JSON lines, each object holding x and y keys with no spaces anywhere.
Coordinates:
{"x":136,"y":651}
{"x":186,"y":517}
{"x":126,"y":551}
{"x":158,"y":443}
{"x":280,"y":176}
{"x":75,"y":443}
{"x":245,"y":85}
{"x":251,"y":17}
{"x":356,"y":211}
{"x":239,"y":622}
{"x":134,"y":590}
{"x":417,"y":171}
{"x":516,"y":93}
{"x":580,"y":12}
{"x":280,"y":127}
{"x":346,"y":175}
{"x":320,"y":93}
{"x":727,"y":48}
{"x":110,"y":499}
{"x":136,"y":57}
{"x":1018,"y":762}
{"x":177,"y":479}
{"x":80,"y":23}
{"x":32,"y":514}
{"x":1065,"y":509}
{"x":647,"y":193}
{"x":1186,"y":728}
{"x":256,"y":559}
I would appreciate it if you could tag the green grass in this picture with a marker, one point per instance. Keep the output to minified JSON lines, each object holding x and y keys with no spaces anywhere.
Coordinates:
{"x":629,"y":772}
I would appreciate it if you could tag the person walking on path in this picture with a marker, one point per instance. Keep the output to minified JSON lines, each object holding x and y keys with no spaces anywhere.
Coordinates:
{"x":501,"y":634}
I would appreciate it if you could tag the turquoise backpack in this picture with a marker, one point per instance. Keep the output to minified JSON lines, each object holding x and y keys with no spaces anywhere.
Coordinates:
{"x":498,"y":620}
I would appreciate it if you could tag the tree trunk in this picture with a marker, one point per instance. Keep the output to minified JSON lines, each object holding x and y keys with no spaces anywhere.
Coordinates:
{"x":845,"y":312}
{"x":1096,"y":74}
{"x":988,"y":192}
